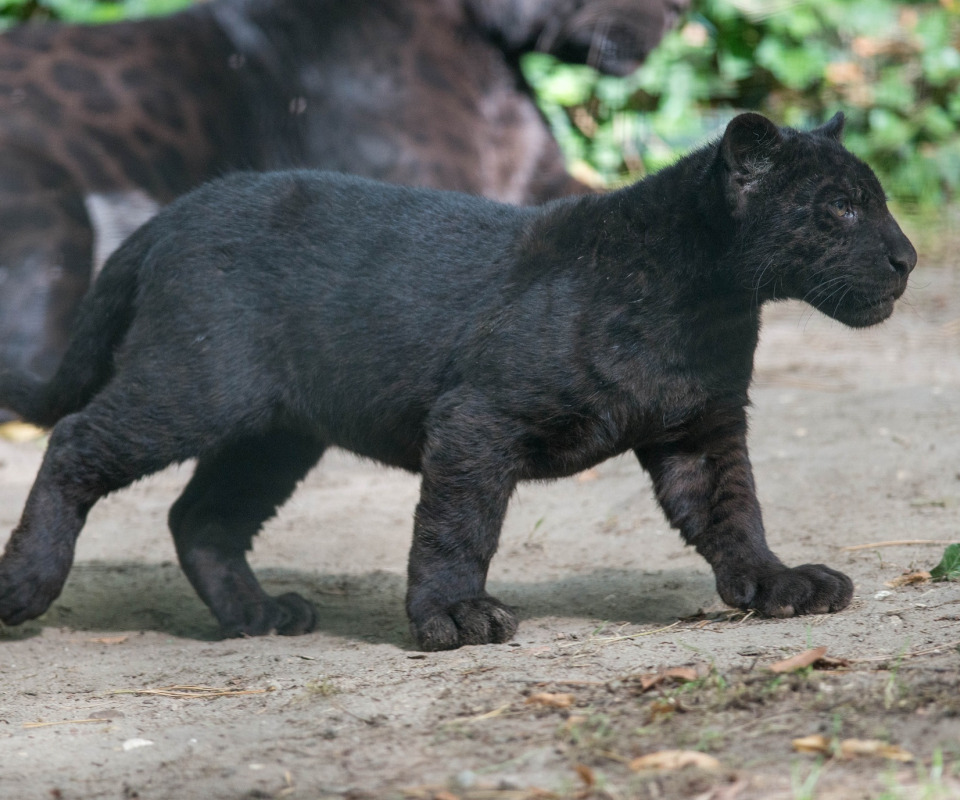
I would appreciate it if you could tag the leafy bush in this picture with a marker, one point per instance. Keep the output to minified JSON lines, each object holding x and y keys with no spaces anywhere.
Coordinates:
{"x":893,"y":68}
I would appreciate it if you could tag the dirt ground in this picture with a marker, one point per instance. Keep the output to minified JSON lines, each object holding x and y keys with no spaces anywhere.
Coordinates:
{"x":855,"y":440}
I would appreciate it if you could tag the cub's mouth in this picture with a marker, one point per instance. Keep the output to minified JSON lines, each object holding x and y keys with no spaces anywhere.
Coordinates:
{"x":858,"y":311}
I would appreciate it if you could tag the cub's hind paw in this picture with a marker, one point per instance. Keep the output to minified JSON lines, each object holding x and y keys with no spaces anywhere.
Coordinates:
{"x":477,"y":620}
{"x":27,"y":589}
{"x":786,"y":592}
{"x":20,"y":603}
{"x":287,"y":615}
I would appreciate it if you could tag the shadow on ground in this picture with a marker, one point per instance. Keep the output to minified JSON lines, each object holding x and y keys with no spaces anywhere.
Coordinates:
{"x":124,"y":596}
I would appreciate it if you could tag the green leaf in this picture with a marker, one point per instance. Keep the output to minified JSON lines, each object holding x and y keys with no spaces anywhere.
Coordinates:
{"x":568,"y":84}
{"x":894,"y":91}
{"x":796,"y":67}
{"x":949,"y":567}
{"x":940,"y":65}
{"x":889,"y":131}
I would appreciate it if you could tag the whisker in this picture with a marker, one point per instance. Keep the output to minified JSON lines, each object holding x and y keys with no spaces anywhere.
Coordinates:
{"x":837,"y":307}
{"x":818,"y":290}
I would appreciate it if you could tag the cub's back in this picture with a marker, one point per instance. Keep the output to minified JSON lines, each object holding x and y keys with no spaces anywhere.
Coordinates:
{"x":317,"y":285}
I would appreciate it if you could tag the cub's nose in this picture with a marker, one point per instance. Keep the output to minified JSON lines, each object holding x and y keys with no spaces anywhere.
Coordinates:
{"x":903,"y":259}
{"x":901,"y":253}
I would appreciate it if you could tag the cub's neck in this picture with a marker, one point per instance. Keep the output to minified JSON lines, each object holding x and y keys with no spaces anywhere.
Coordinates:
{"x":672,"y":227}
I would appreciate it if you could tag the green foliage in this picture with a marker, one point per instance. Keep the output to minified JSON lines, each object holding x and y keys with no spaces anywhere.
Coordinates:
{"x":892,"y":67}
{"x":949,"y":567}
{"x":13,"y":11}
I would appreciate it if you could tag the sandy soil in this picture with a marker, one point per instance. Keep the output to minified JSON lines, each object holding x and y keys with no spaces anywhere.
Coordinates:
{"x":854,"y":441}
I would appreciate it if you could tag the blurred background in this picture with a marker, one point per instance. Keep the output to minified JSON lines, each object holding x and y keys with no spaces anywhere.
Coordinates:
{"x":892,"y":67}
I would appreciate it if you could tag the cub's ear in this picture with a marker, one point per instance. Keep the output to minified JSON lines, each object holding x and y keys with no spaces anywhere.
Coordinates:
{"x":747,"y":145}
{"x":833,"y":127}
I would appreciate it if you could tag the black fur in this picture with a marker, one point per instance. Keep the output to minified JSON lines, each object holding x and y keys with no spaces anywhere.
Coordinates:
{"x":263,"y":318}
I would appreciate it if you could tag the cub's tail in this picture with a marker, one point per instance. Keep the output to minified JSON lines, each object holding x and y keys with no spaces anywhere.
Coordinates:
{"x":102,"y":320}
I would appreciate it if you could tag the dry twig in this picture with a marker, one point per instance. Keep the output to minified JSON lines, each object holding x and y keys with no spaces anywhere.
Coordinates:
{"x":190,"y":692}
{"x":65,"y":722}
{"x":897,"y":543}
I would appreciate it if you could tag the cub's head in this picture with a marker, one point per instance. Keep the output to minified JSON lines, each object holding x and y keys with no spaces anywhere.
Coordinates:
{"x":812,"y":220}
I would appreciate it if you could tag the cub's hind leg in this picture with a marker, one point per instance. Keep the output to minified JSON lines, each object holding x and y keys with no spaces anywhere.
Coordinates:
{"x":232,"y":493}
{"x":90,"y":454}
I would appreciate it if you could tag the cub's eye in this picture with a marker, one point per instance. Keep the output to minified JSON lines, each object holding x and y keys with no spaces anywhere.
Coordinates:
{"x":842,"y":208}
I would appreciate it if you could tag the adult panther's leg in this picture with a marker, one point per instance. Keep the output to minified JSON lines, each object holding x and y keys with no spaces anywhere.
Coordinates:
{"x":46,"y":258}
{"x":705,"y":485}
{"x":232,"y":492}
{"x":467,"y":482}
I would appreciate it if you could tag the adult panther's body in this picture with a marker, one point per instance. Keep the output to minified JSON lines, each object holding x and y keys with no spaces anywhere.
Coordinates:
{"x":263,"y":318}
{"x":101,"y":125}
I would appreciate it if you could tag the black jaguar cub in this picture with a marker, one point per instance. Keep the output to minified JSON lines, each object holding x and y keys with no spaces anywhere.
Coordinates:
{"x":264,"y":318}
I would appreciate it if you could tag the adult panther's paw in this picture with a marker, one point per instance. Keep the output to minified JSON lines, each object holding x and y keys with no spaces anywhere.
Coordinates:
{"x":477,"y":620}
{"x":786,"y":592}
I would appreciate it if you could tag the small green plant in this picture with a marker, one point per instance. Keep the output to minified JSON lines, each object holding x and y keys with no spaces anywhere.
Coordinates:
{"x":804,"y":786}
{"x":933,"y":783}
{"x":324,"y":687}
{"x":535,"y":537}
{"x":589,"y":735}
{"x":894,"y":688}
{"x":949,"y":567}
{"x":710,"y":740}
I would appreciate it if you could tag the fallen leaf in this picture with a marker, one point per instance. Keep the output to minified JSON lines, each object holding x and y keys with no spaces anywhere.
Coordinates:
{"x":909,"y":578}
{"x":813,"y":744}
{"x":585,"y":774}
{"x":829,"y":662}
{"x":674,"y":759}
{"x":20,"y":432}
{"x":663,"y":707}
{"x":550,"y":700}
{"x":805,"y":659}
{"x":871,"y":747}
{"x":850,"y":748}
{"x":572,"y":721}
{"x":649,"y":680}
{"x":109,"y":640}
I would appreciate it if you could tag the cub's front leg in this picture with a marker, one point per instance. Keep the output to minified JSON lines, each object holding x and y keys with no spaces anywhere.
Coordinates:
{"x":705,"y":485}
{"x":466,"y":485}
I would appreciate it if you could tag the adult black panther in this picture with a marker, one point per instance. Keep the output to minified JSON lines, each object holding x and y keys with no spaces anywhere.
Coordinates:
{"x":101,"y":125}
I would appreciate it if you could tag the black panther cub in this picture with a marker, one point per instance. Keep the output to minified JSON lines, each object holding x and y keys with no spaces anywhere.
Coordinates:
{"x":264,"y":318}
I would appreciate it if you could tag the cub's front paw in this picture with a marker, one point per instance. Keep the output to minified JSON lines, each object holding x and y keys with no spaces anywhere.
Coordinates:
{"x":477,"y":620}
{"x":784,"y":592}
